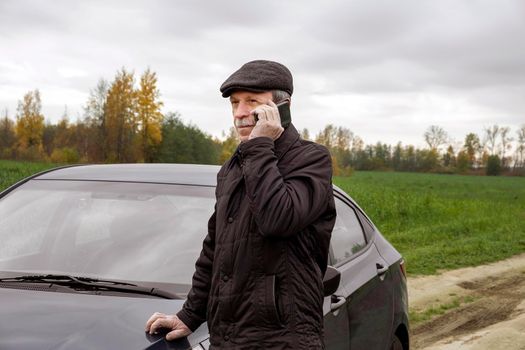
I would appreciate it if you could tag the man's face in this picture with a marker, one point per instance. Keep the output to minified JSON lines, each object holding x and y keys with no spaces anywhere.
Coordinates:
{"x":243,"y":102}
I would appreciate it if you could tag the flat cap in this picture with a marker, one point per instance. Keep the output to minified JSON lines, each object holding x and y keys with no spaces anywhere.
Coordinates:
{"x":258,"y":76}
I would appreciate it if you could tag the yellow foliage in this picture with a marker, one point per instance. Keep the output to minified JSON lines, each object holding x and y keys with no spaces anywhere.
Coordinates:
{"x":336,"y":170}
{"x":30,"y":123}
{"x":65,"y":155}
{"x":120,"y":122}
{"x":229,"y":146}
{"x":149,"y":116}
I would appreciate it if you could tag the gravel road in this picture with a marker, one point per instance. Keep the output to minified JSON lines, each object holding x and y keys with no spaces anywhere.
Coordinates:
{"x":491,"y":314}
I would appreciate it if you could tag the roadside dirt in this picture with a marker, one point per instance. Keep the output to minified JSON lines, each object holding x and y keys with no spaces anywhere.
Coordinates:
{"x":491,"y":311}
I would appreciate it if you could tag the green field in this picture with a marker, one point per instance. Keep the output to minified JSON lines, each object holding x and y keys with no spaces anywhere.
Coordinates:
{"x":435,"y":221}
{"x":443,"y":221}
{"x":11,"y":171}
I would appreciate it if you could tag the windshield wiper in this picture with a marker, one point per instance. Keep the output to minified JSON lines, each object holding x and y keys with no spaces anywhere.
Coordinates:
{"x":87,"y":283}
{"x":58,"y":278}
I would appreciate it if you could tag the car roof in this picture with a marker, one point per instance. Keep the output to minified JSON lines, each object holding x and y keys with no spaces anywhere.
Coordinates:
{"x":187,"y":174}
{"x":162,"y":173}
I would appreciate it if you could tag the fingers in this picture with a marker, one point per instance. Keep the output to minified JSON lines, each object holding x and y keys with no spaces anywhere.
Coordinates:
{"x":260,"y":112}
{"x":152,"y":319}
{"x":178,"y":333}
{"x":158,"y":324}
{"x":269,"y":123}
{"x":159,"y":320}
{"x":268,"y":112}
{"x":274,"y":116}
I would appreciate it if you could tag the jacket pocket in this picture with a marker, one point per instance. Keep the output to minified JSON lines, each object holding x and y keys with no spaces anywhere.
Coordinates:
{"x":271,"y":302}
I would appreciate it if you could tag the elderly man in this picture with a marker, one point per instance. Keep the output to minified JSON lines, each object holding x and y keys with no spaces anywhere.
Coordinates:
{"x":258,"y":280}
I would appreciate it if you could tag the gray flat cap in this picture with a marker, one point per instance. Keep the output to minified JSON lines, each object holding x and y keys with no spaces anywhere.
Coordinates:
{"x":258,"y":76}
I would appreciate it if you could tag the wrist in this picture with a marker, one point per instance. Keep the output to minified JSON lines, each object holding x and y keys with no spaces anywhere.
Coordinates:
{"x":188,"y":321}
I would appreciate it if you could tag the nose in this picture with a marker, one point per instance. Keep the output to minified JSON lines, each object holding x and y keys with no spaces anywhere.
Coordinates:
{"x":242,"y":111}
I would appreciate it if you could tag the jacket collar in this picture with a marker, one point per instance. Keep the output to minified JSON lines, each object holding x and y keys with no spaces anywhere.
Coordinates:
{"x":285,"y":142}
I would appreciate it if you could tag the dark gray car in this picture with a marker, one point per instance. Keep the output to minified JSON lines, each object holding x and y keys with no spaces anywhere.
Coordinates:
{"x":88,"y":253}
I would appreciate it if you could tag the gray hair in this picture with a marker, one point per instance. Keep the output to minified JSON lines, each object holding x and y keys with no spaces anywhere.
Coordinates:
{"x":279,"y":95}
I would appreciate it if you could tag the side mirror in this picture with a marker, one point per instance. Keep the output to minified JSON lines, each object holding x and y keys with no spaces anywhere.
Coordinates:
{"x":331,"y":280}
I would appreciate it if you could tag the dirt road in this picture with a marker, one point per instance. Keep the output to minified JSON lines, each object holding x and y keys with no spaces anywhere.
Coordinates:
{"x":485,"y":307}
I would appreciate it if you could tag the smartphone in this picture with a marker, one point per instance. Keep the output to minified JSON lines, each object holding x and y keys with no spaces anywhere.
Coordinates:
{"x":284,"y":112}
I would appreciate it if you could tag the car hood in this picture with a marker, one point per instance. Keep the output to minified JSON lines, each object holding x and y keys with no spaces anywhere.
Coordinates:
{"x":52,"y":320}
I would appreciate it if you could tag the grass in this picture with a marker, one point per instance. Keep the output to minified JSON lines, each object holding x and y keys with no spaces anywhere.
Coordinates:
{"x":417,"y":317}
{"x":435,"y":221}
{"x":12,"y":171}
{"x":443,"y":221}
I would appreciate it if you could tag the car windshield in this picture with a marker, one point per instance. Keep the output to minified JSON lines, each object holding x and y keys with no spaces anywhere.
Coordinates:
{"x":108,"y":230}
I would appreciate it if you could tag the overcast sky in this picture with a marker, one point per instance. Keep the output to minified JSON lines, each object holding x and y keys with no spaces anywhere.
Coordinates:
{"x":386,"y":70}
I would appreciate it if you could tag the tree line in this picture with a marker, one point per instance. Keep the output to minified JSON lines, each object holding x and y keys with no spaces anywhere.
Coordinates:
{"x":490,"y":154}
{"x":122,"y":122}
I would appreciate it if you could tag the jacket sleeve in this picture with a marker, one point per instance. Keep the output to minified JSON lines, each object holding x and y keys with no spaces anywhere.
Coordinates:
{"x":193,"y":313}
{"x":283,"y":206}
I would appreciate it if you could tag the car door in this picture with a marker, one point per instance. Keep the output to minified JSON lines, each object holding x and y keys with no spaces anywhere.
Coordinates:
{"x":361,"y":307}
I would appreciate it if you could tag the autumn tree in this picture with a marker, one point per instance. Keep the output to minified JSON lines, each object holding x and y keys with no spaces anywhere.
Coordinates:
{"x":7,"y":136}
{"x":30,"y":126}
{"x":410,"y":161}
{"x":229,"y":145}
{"x":471,"y":146}
{"x":48,"y":137}
{"x":435,"y":137}
{"x":463,"y":162}
{"x":91,"y":132}
{"x":357,"y":145}
{"x":343,"y":138}
{"x":120,"y":123}
{"x":64,"y":135}
{"x":490,"y":139}
{"x":505,"y":142}
{"x":493,"y":165}
{"x":95,"y":108}
{"x":427,"y":160}
{"x":65,"y":148}
{"x":149,"y":117}
{"x":397,"y":156}
{"x":305,"y":134}
{"x":327,"y":136}
{"x":449,"y":158}
{"x":520,"y":148}
{"x":339,"y":140}
{"x":381,"y":156}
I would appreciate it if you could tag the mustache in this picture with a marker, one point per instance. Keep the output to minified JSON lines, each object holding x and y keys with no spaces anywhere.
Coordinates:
{"x":244,"y":122}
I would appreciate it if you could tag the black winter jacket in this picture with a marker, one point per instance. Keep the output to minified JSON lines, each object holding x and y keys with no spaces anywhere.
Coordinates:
{"x":258,"y":280}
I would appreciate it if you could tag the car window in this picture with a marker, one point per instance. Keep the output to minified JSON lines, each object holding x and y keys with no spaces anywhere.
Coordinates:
{"x":128,"y":231}
{"x":367,"y":226}
{"x":347,"y":235}
{"x":23,"y":217}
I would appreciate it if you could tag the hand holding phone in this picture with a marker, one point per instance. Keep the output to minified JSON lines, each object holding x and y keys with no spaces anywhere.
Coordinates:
{"x":284,"y":113}
{"x":273,"y":123}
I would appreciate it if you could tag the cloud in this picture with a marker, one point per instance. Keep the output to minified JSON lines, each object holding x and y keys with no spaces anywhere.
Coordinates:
{"x":387,"y":70}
